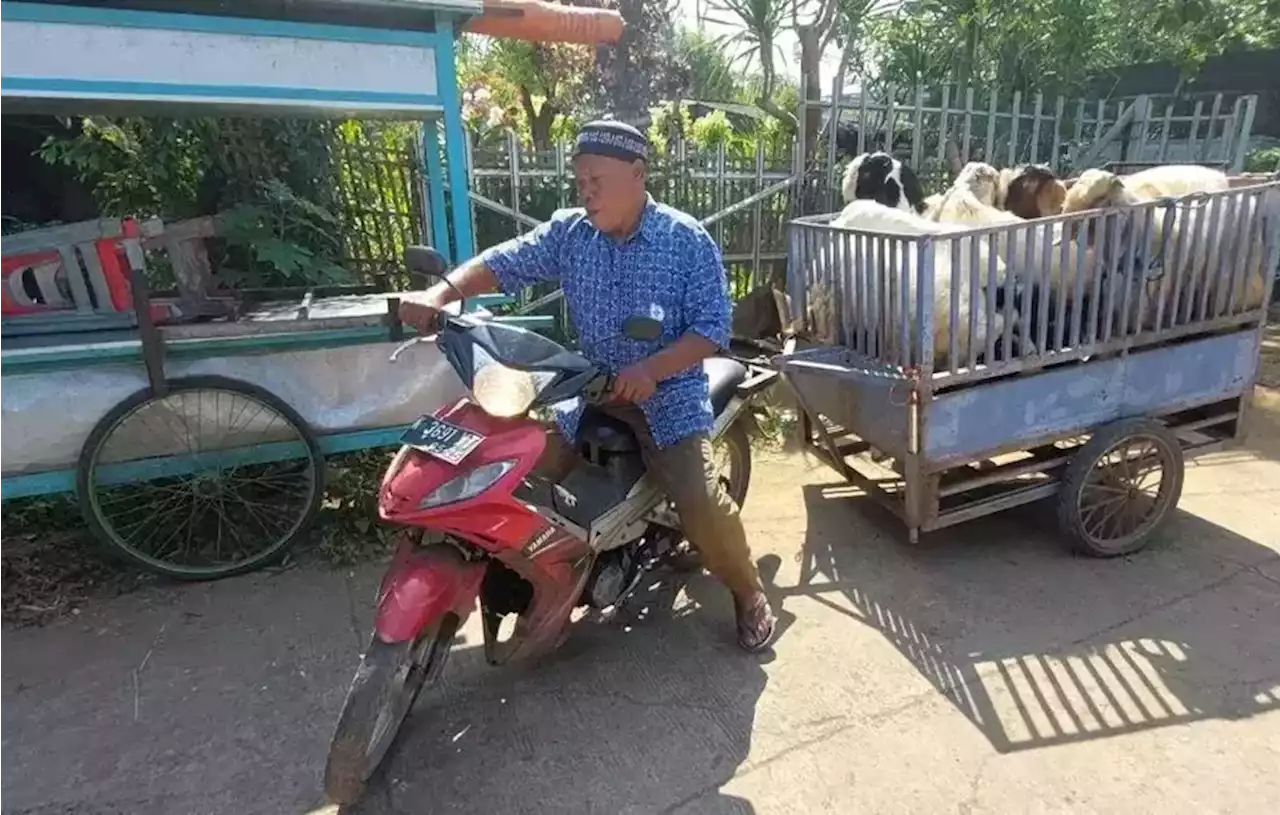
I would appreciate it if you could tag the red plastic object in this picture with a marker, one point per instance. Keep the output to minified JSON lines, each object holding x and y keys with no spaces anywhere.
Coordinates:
{"x":22,"y":275}
{"x":420,"y":586}
{"x":115,"y":267}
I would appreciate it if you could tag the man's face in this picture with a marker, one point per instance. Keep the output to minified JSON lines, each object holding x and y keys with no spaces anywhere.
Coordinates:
{"x":609,"y":190}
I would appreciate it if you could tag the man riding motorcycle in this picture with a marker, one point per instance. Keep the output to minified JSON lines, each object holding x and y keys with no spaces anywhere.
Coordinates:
{"x":621,"y":255}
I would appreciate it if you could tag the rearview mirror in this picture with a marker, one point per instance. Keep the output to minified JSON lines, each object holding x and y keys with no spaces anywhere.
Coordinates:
{"x":425,"y":260}
{"x":642,"y":328}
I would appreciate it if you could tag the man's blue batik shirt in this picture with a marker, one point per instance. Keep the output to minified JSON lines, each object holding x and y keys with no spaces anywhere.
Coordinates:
{"x":669,"y":269}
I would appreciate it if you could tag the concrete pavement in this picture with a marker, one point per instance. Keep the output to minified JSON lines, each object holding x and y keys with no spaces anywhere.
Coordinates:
{"x":986,"y":670}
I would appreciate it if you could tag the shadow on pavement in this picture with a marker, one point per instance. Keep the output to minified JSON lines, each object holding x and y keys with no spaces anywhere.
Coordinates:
{"x":650,"y":713}
{"x":1022,"y":637}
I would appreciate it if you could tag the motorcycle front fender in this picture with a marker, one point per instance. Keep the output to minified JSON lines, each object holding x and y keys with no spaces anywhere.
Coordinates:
{"x":423,"y":584}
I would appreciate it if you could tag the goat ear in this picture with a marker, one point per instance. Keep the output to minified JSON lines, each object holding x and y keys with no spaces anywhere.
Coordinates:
{"x":911,"y":189}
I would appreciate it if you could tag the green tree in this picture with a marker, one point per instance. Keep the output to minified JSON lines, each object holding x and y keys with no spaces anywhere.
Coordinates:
{"x":760,"y":23}
{"x":710,"y":74}
{"x":274,"y":182}
{"x":1059,"y":46}
{"x":530,"y":84}
{"x":642,"y":67}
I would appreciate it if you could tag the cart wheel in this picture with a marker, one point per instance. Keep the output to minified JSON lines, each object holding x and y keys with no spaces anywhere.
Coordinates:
{"x":1120,"y":487}
{"x":216,"y":478}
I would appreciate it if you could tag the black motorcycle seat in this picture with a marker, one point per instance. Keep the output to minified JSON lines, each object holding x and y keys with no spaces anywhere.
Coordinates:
{"x":724,"y":375}
{"x":605,"y":433}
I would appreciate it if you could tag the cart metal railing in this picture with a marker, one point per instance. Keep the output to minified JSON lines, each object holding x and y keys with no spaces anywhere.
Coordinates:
{"x":959,"y":374}
{"x":986,"y":302}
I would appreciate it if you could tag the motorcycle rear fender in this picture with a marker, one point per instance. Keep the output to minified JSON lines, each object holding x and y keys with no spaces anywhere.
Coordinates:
{"x":738,"y":410}
{"x":423,"y":584}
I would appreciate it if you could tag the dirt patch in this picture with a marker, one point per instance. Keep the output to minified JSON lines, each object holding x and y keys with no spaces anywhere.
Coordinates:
{"x":47,"y":576}
{"x":1269,"y":368}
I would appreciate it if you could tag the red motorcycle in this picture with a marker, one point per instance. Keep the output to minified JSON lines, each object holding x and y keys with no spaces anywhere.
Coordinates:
{"x":483,"y":526}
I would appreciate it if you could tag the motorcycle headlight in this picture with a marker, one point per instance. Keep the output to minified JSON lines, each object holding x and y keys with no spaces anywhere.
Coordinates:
{"x":506,"y":392}
{"x":468,"y":485}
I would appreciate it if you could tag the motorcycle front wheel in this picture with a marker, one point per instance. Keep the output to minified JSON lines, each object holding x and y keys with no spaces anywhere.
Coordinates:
{"x":387,"y":683}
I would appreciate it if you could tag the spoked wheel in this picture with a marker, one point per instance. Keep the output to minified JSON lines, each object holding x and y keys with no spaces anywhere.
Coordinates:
{"x":1121,"y":487}
{"x":215,"y":478}
{"x":731,"y":461}
{"x":387,"y":683}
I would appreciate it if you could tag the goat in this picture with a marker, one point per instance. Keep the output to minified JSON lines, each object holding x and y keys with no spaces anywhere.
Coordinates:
{"x":882,"y":178}
{"x":1176,"y":179}
{"x":931,"y":206}
{"x":878,"y":219}
{"x":1100,"y":189}
{"x":1030,"y":191}
{"x":972,"y":200}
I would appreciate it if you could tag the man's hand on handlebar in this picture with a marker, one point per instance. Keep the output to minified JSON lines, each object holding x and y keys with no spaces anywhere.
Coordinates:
{"x":421,"y":316}
{"x":634,"y":384}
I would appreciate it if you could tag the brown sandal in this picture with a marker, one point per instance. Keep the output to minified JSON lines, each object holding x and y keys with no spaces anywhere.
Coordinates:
{"x":756,"y":623}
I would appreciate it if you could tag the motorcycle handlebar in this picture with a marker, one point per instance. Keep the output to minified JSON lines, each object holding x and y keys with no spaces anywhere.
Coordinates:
{"x":599,"y":390}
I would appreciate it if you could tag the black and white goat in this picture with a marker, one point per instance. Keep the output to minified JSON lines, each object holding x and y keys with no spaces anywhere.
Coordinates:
{"x":882,"y":178}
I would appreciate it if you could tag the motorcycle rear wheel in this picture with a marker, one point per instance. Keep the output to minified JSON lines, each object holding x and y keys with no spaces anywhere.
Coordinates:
{"x":736,"y":476}
{"x":387,"y":683}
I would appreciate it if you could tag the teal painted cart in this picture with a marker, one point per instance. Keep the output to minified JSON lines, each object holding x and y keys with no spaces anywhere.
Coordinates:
{"x":196,"y":447}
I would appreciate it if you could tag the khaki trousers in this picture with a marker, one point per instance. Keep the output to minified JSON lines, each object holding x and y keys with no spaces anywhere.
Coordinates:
{"x":686,"y":473}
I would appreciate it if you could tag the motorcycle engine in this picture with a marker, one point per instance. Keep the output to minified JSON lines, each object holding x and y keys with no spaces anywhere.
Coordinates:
{"x":610,"y":577}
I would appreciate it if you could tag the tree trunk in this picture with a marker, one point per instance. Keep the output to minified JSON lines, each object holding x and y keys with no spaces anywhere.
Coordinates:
{"x":811,"y":78}
{"x":540,"y":127}
{"x":540,"y":121}
{"x":626,"y":100}
{"x":953,"y":156}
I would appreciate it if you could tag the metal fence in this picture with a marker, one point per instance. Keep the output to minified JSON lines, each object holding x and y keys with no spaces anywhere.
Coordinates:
{"x":381,"y":199}
{"x":971,"y":304}
{"x":734,"y":192}
{"x":745,"y":195}
{"x":938,"y":130}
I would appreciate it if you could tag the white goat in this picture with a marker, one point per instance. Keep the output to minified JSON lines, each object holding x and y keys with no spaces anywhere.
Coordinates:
{"x":970,"y":201}
{"x":1100,"y":189}
{"x":877,"y":219}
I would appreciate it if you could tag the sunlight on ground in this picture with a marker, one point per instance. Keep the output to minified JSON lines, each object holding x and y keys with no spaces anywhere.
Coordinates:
{"x":1041,"y":699}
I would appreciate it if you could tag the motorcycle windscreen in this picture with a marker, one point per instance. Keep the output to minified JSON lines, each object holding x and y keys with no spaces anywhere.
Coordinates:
{"x":509,"y":369}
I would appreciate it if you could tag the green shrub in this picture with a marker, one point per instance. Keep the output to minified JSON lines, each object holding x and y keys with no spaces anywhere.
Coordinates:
{"x":1266,"y":160}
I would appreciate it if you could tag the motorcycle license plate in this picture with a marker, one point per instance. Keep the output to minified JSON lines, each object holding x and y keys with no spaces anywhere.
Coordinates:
{"x":440,"y":439}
